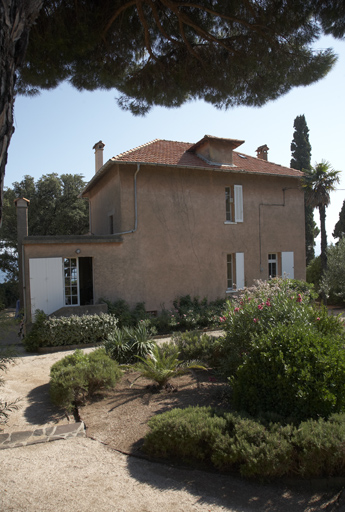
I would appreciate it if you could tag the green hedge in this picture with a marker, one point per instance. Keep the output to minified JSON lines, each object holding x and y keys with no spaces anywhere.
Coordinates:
{"x":231,"y":442}
{"x":72,"y":330}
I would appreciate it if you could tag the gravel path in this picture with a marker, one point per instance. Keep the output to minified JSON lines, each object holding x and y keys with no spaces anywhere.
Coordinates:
{"x":85,"y":475}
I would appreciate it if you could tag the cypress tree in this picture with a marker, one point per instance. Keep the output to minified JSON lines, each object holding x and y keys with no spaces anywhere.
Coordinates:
{"x":301,"y":156}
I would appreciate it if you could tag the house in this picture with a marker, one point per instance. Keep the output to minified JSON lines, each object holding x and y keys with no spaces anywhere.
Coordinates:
{"x":169,"y":219}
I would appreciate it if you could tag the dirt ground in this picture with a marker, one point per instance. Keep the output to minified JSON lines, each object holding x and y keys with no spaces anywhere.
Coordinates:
{"x":96,"y":472}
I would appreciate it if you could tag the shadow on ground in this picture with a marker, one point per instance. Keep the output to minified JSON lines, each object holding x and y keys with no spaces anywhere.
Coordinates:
{"x":40,"y":409}
{"x":234,"y":493}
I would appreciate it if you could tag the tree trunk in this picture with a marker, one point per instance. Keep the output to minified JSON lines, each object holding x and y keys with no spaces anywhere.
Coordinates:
{"x":322,"y":211}
{"x":16,"y":18}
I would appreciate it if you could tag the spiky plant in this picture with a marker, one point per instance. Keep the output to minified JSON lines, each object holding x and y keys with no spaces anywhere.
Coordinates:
{"x":161,"y":366}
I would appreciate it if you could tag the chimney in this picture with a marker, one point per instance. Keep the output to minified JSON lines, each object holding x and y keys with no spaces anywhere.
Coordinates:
{"x":262,"y":152}
{"x":98,"y":147}
{"x":22,"y":231}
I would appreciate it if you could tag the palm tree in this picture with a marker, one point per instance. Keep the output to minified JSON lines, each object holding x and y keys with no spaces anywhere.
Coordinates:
{"x":318,"y":182}
{"x":161,"y":366}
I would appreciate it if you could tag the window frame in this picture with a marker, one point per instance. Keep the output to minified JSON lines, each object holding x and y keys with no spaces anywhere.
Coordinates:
{"x":71,"y":272}
{"x":233,"y":204}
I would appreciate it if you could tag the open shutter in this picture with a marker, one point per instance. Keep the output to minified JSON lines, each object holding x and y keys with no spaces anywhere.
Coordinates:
{"x":239,"y":270}
{"x":46,"y":285}
{"x":288,"y":265}
{"x":238,"y":193}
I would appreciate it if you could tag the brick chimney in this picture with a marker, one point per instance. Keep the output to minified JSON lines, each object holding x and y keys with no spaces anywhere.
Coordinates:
{"x":98,"y":147}
{"x":22,"y":231}
{"x":262,"y":152}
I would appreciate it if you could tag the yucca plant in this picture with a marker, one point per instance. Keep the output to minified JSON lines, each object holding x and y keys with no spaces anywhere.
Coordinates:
{"x":161,"y":366}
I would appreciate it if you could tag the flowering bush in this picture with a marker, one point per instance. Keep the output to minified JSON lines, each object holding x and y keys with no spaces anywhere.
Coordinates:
{"x":72,"y":330}
{"x":263,"y":306}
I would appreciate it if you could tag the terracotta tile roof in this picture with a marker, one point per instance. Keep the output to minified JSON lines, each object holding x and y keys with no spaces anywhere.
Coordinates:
{"x":166,"y":152}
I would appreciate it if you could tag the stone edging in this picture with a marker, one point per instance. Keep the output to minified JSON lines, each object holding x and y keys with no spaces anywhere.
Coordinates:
{"x":41,"y":435}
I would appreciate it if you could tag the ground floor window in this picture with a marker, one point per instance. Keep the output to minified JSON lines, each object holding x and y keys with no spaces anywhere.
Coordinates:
{"x":230,"y":272}
{"x":71,"y":281}
{"x":272,"y":265}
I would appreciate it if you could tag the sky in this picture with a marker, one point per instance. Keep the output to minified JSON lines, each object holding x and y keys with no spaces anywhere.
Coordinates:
{"x":55,"y":131}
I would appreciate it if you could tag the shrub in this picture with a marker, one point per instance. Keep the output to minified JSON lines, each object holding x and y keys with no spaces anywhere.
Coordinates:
{"x":292,"y":370}
{"x":267,"y":304}
{"x":333,"y":281}
{"x":77,"y":377}
{"x":197,"y":345}
{"x":161,"y":367}
{"x":72,"y":330}
{"x":232,"y":442}
{"x":125,"y":344}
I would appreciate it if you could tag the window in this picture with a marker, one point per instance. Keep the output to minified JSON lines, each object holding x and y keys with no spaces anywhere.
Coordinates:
{"x":229,"y":204}
{"x":71,"y":281}
{"x":230,"y":272}
{"x":235,"y":271}
{"x":272,"y":265}
{"x":233,"y":204}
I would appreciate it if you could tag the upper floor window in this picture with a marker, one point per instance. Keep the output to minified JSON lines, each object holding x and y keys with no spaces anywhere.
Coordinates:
{"x":233,"y":204}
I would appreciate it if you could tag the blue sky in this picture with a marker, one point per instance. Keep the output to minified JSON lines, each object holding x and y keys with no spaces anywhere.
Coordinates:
{"x":55,"y":131}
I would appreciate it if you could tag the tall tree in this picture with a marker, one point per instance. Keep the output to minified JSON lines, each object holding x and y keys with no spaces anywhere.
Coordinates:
{"x":55,"y":209}
{"x":319,"y":182}
{"x":162,"y":52}
{"x":301,"y":157}
{"x":339,"y":228}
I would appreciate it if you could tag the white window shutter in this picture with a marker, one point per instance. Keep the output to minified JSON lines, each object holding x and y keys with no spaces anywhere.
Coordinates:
{"x":46,"y":284}
{"x":238,"y":193}
{"x":288,"y":265}
{"x":239,"y":270}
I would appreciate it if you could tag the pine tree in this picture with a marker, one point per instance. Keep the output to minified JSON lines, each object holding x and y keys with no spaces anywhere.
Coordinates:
{"x":301,"y":155}
{"x":162,"y":52}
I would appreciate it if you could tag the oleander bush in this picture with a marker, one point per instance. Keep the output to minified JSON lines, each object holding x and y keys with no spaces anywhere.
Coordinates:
{"x":259,"y":308}
{"x":240,"y":444}
{"x":78,"y":376}
{"x":72,"y":330}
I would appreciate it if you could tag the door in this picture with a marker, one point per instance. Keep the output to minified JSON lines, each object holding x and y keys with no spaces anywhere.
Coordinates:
{"x":288,"y":265}
{"x":46,"y":285}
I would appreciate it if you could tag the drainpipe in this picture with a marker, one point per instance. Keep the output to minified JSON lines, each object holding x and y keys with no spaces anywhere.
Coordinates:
{"x":22,"y":231}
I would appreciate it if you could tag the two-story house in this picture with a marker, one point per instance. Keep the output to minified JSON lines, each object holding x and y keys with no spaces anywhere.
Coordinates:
{"x":169,"y":219}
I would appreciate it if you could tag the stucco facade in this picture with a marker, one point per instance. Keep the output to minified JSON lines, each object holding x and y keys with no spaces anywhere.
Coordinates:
{"x":188,"y":221}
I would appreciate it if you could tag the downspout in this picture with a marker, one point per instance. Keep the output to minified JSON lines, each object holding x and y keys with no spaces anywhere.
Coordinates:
{"x":269,"y":204}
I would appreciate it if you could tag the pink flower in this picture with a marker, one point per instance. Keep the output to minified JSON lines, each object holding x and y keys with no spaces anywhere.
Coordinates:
{"x":299,"y":298}
{"x":236,"y":309}
{"x":268,"y":303}
{"x":260,"y":306}
{"x":255,"y":320}
{"x":318,"y":318}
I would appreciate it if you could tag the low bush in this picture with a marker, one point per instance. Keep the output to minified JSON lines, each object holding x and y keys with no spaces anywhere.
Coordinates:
{"x":258,"y":309}
{"x":72,"y":330}
{"x":77,"y":377}
{"x":292,"y":370}
{"x":231,"y":442}
{"x":193,"y":345}
{"x":125,"y":344}
{"x":126,"y":316}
